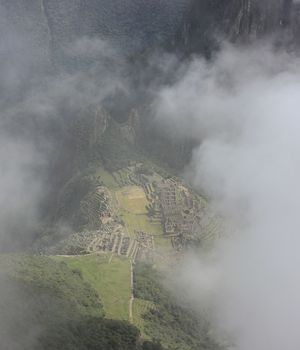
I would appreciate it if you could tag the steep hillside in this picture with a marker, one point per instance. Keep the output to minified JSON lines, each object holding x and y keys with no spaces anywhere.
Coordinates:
{"x":120,"y":193}
{"x":48,"y":306}
{"x":237,"y":20}
{"x":119,"y":209}
{"x":113,"y":211}
{"x":93,"y":302}
{"x":130,"y":25}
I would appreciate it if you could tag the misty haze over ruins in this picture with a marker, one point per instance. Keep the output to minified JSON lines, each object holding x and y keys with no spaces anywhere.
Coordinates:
{"x":149,"y":169}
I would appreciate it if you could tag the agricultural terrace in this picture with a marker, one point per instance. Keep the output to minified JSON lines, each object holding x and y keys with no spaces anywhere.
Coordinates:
{"x":132,"y":199}
{"x":133,"y":209}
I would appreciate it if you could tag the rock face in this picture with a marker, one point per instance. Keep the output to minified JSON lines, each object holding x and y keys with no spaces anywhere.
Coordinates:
{"x":207,"y":21}
{"x":253,"y":18}
{"x":134,"y":25}
{"x":129,"y":24}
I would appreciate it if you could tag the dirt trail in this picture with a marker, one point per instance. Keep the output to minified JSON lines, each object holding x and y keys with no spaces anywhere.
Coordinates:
{"x":111,"y":257}
{"x":132,"y":294}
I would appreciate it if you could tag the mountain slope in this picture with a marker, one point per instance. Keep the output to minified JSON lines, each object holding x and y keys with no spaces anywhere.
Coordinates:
{"x":47,"y":306}
{"x":236,"y":20}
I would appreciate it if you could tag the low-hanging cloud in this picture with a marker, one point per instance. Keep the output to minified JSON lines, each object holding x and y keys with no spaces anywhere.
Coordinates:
{"x":38,"y":102}
{"x":243,"y":109}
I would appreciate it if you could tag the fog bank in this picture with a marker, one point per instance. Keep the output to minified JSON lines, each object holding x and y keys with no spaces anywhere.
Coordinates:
{"x":243,"y":108}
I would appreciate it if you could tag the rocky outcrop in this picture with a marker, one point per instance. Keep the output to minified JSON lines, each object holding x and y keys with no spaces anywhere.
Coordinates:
{"x":253,"y":18}
{"x":130,"y":25}
{"x":208,"y":21}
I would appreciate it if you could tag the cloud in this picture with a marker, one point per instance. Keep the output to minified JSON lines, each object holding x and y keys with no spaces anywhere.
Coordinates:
{"x":86,"y":47}
{"x":243,"y":109}
{"x":38,"y":102}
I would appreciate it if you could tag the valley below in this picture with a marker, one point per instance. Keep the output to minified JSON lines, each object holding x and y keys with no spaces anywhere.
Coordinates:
{"x":149,"y":168}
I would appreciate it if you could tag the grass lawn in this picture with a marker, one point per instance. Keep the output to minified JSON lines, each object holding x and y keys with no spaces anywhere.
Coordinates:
{"x":111,"y":281}
{"x":132,"y":199}
{"x":163,"y":242}
{"x":140,"y":222}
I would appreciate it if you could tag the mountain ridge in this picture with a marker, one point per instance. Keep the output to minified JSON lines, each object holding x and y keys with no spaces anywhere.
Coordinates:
{"x":241,"y":21}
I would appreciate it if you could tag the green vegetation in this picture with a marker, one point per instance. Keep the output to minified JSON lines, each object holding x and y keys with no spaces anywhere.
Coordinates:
{"x":176,"y":327}
{"x":133,"y":211}
{"x":110,"y":278}
{"x":140,"y":222}
{"x":106,"y":178}
{"x":116,"y":152}
{"x":82,"y":302}
{"x":80,"y":202}
{"x":69,"y":202}
{"x":56,"y":278}
{"x":161,"y":241}
{"x":140,"y":308}
{"x":48,"y":306}
{"x":132,"y":199}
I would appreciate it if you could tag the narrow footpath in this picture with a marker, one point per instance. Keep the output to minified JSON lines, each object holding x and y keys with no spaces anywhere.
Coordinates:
{"x":132,"y":293}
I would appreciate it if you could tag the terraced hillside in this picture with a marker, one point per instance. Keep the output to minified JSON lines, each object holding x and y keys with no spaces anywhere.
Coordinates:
{"x":120,"y":210}
{"x":137,"y":213}
{"x":46,"y":305}
{"x":139,"y":217}
{"x":96,"y":301}
{"x":135,"y":293}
